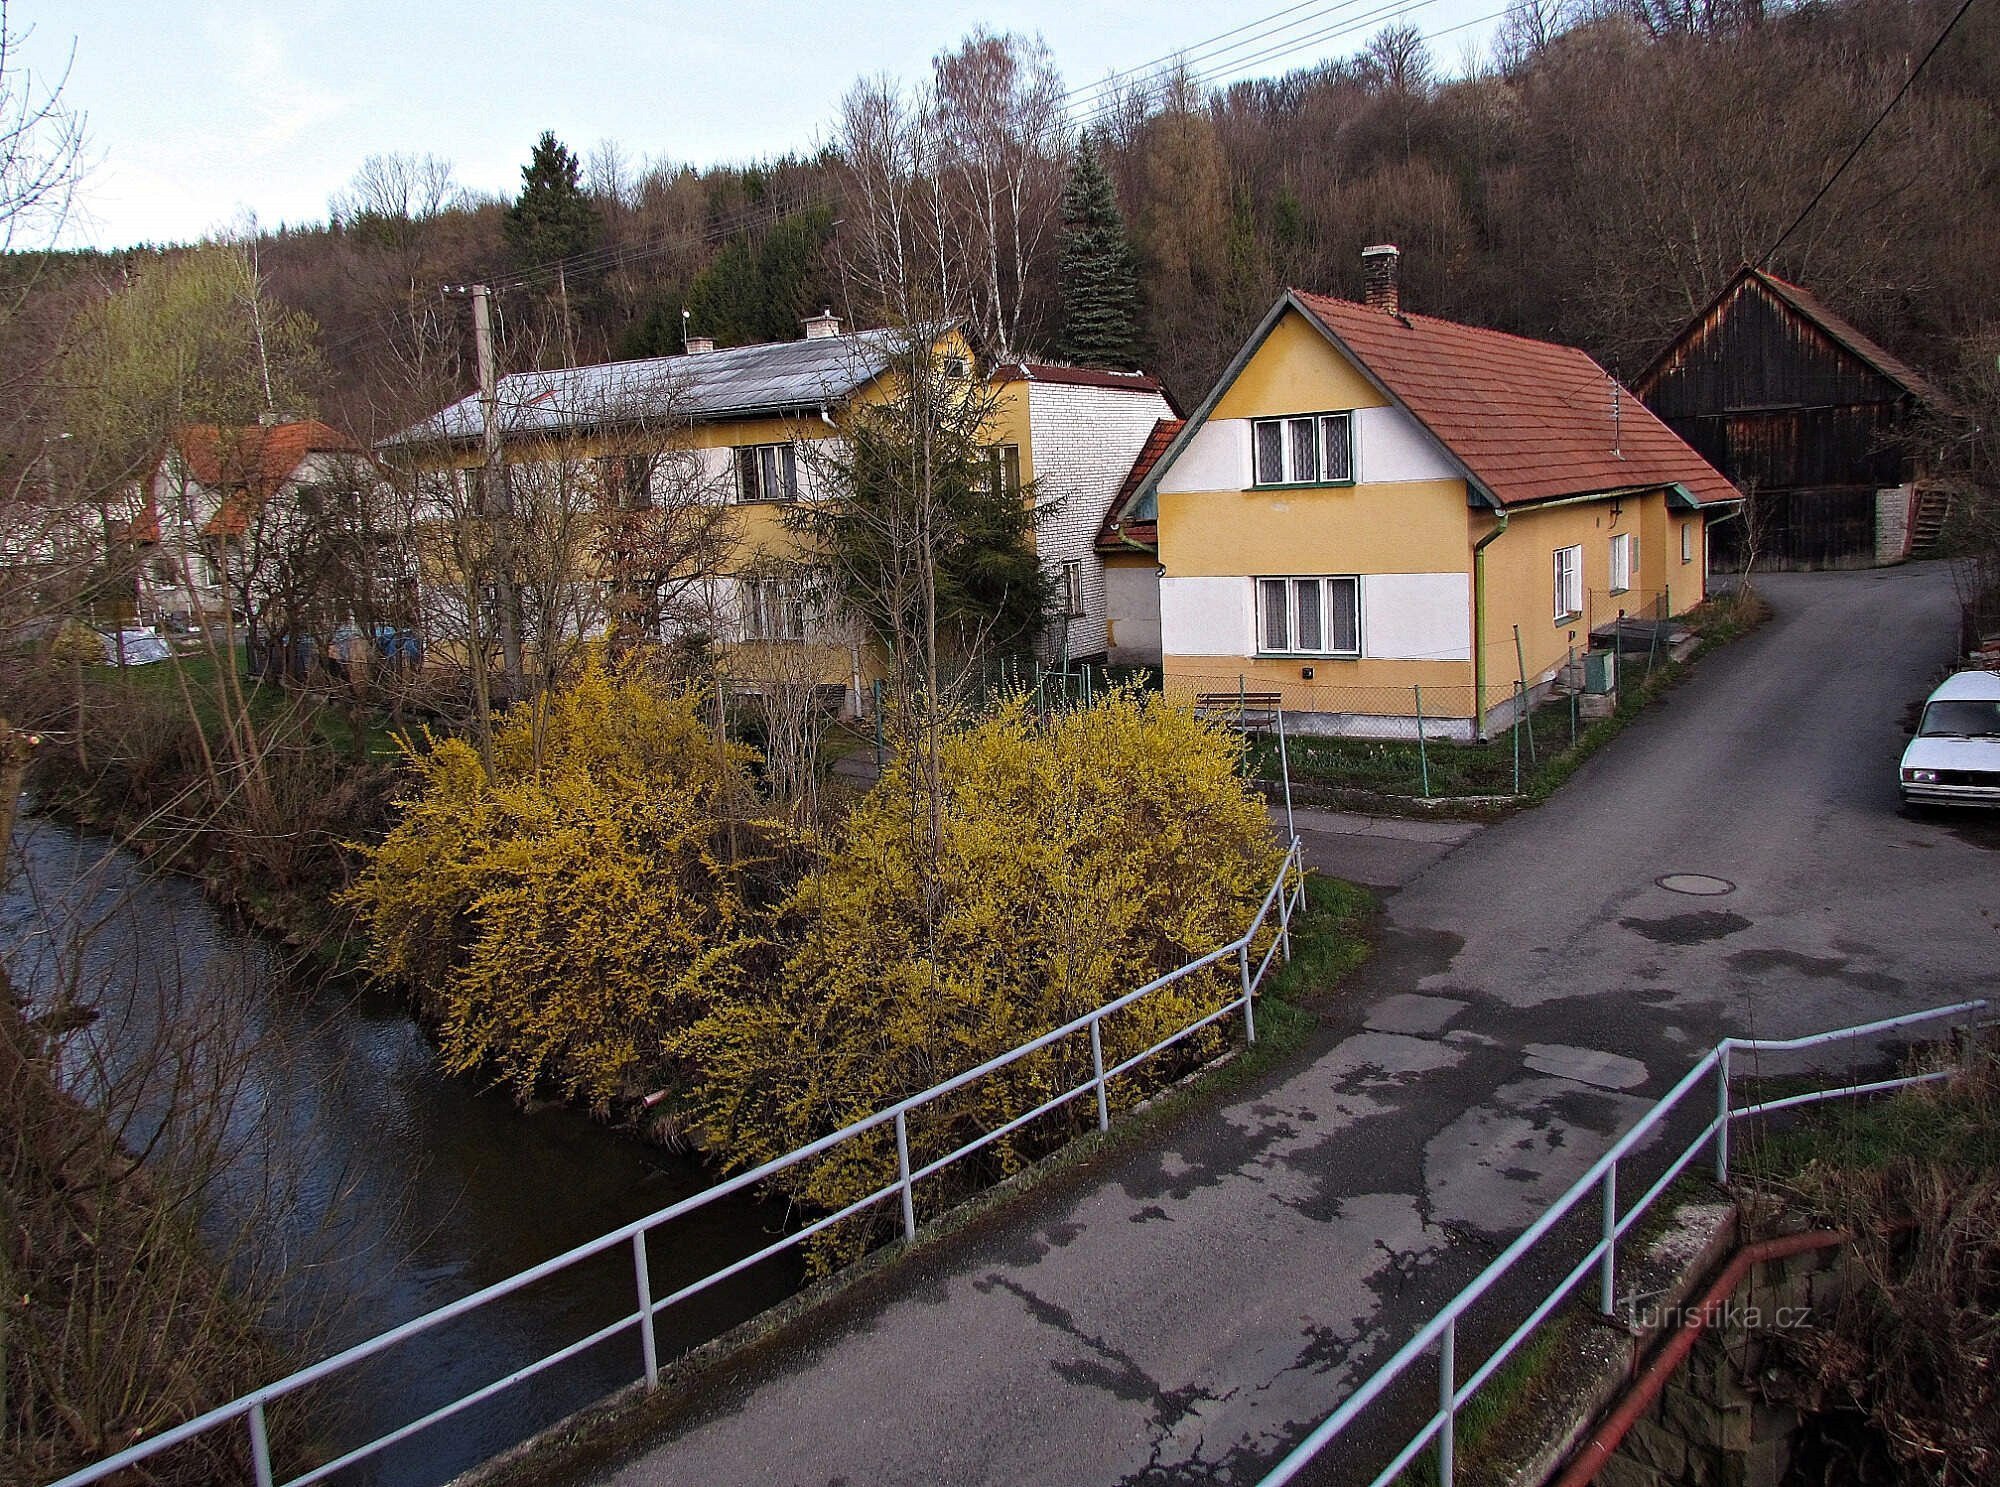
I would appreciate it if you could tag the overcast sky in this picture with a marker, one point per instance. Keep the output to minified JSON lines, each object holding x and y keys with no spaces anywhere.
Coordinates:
{"x":201,"y":110}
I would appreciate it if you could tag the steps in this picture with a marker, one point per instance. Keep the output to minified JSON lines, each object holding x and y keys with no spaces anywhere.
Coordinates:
{"x":1928,"y":522}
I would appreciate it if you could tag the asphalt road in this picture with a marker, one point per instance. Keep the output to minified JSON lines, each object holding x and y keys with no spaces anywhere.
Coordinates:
{"x":1187,"y":1312}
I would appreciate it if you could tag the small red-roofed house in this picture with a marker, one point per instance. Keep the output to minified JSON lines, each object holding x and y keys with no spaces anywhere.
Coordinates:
{"x":1370,"y":502}
{"x":213,"y":512}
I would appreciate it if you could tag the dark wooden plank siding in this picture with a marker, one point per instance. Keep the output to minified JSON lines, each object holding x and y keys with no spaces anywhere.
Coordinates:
{"x":1826,"y":528}
{"x":1752,"y":352}
{"x":1781,"y":408}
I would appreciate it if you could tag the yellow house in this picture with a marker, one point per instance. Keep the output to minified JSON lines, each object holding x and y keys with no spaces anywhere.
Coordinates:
{"x":1370,"y":503}
{"x":737,"y":431}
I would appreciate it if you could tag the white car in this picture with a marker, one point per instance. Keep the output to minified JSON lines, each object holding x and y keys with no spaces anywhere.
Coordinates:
{"x":1955,"y":757}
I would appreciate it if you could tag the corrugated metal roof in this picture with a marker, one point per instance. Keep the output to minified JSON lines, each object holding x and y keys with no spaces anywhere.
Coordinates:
{"x":737,"y":383}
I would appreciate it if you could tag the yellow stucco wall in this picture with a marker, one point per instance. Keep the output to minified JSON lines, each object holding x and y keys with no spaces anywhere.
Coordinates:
{"x":1406,"y":527}
{"x":1296,"y":370}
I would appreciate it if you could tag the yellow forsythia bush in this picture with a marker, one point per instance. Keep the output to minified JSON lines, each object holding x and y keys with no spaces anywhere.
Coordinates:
{"x":559,"y":916}
{"x":1074,"y":861}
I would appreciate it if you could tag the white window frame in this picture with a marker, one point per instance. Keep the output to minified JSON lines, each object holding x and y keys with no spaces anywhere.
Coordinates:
{"x":1325,"y":585}
{"x":1687,"y":542}
{"x":1072,"y":587}
{"x":774,"y":609}
{"x":1624,"y":558}
{"x":1290,"y":468}
{"x":754,"y":465}
{"x":1569,"y":582}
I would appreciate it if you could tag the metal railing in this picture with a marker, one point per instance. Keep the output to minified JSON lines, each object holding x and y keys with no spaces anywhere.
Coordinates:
{"x":1440,"y":1335}
{"x":1285,"y":895}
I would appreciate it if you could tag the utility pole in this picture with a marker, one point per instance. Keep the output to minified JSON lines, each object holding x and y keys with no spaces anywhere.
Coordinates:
{"x":499,"y":502}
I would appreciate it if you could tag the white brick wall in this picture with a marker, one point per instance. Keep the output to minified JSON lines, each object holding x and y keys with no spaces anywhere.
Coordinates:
{"x":1082,"y":442}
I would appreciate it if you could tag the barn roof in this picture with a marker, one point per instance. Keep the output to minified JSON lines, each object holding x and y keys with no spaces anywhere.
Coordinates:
{"x":1814,"y":311}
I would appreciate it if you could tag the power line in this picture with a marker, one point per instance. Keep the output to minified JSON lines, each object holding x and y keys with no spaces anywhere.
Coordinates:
{"x":1866,"y":135}
{"x":1206,"y":51}
{"x":1094,"y":111}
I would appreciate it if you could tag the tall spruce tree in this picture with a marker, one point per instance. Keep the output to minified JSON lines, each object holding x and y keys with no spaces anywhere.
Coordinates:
{"x":552,"y":219}
{"x":1097,"y":272}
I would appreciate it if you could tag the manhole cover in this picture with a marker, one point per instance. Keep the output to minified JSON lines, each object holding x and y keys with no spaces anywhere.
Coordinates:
{"x":1698,"y":884}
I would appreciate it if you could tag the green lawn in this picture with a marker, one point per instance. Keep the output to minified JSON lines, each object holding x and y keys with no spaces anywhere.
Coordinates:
{"x":195,"y":681}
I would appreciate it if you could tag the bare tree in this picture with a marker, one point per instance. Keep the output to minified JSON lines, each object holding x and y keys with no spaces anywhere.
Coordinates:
{"x":41,"y":146}
{"x":1004,"y":141}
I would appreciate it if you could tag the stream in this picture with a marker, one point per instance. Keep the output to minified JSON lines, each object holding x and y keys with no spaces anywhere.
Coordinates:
{"x":372,"y":1186}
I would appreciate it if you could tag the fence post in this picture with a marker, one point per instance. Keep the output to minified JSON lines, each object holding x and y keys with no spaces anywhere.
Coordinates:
{"x":1575,"y":693}
{"x":1097,"y":1064}
{"x":1249,"y":1008}
{"x":1423,"y":754}
{"x":649,"y":1344}
{"x":1521,"y":665}
{"x":1285,"y":768}
{"x":1285,"y":902}
{"x":1722,"y":1112}
{"x":1447,"y":1399}
{"x":260,"y":1445}
{"x":903,"y":1169}
{"x":1607,"y":1267}
{"x":1519,"y":703}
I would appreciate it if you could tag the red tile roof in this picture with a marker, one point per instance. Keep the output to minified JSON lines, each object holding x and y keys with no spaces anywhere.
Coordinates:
{"x":1531,"y":420}
{"x":247,"y":464}
{"x":1117,"y":534}
{"x":1042,"y":371}
{"x":259,"y":457}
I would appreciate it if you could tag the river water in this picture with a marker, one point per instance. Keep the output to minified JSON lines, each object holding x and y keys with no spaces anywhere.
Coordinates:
{"x":375,"y":1187}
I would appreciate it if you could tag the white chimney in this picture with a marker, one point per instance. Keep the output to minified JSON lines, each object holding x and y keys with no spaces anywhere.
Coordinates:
{"x":819,"y":327}
{"x":698,"y":344}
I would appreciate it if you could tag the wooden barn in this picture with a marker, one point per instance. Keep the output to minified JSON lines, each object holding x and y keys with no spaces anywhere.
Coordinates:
{"x":1809,"y":415}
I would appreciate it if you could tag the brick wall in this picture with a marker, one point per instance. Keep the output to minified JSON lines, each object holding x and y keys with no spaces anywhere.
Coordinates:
{"x":1082,"y":443}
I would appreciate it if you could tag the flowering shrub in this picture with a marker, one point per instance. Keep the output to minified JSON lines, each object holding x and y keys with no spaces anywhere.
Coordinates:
{"x":1073,"y":862}
{"x":559,"y":914}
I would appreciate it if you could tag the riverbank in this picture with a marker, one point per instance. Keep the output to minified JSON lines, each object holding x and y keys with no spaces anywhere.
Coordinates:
{"x":382,"y":1187}
{"x":263,"y":805}
{"x":115,"y":1320}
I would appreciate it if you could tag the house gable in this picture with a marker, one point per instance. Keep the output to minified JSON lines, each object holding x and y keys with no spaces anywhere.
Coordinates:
{"x":1296,"y":370}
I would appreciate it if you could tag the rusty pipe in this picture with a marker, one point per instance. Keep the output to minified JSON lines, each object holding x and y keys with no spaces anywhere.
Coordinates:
{"x":1593,"y":1455}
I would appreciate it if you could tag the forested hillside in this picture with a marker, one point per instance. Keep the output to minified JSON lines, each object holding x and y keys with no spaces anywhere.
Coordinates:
{"x":1594,"y":180}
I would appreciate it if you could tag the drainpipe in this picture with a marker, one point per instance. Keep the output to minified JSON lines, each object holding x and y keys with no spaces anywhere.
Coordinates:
{"x":1479,"y":619}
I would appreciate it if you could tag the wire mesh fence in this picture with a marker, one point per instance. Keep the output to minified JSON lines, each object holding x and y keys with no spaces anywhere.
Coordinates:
{"x":1336,"y":744}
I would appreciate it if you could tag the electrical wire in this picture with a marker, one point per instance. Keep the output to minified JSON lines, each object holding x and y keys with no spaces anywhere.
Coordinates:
{"x":1866,"y":135}
{"x":1094,"y":110}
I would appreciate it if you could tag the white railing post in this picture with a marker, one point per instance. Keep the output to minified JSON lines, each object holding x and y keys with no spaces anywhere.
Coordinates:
{"x":1097,"y":1064}
{"x":1607,"y":1267}
{"x":1722,"y":1111}
{"x":1249,"y":1008}
{"x":903,"y":1169}
{"x":649,"y":1346}
{"x":260,"y":1445}
{"x":1285,"y":902}
{"x":1447,"y":1399}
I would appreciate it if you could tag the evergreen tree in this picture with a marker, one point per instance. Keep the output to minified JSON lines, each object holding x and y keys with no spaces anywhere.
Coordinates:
{"x":552,"y":219}
{"x":1097,"y":272}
